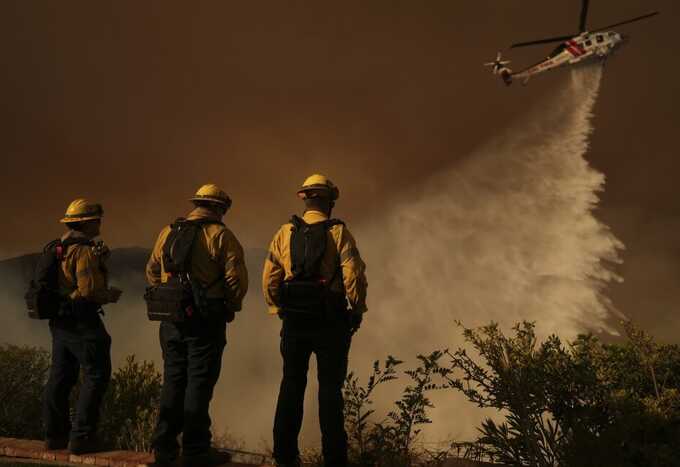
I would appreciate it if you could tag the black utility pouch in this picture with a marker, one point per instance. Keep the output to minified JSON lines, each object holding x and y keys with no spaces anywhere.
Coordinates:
{"x":166,"y":302}
{"x":41,"y":302}
{"x":299,"y":296}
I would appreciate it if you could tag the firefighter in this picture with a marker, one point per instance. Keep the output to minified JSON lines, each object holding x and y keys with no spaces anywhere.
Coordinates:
{"x":314,"y":280}
{"x":192,"y":346}
{"x":79,"y":338}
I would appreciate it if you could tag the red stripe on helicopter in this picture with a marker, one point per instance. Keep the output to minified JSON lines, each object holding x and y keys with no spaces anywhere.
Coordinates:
{"x":575,"y":49}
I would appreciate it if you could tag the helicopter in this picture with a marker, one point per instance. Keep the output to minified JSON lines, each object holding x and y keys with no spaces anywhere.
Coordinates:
{"x":585,"y":46}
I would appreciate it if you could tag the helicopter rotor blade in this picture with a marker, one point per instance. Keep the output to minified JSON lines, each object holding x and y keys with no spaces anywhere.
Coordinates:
{"x":541,"y":41}
{"x":639,"y":18}
{"x":584,"y":15}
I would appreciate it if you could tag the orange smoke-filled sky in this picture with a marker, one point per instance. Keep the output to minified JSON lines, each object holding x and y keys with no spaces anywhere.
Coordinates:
{"x":135,"y":104}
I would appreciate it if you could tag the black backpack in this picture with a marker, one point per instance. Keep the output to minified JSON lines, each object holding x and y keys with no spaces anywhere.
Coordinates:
{"x":181,"y":295}
{"x":43,"y":299}
{"x":307,"y":291}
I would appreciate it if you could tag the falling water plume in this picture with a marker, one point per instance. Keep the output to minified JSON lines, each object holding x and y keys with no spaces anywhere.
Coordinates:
{"x":508,"y":235}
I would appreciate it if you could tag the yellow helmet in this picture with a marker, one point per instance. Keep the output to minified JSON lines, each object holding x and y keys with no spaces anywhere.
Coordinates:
{"x":213,"y":194}
{"x":82,"y":210}
{"x":318,"y":185}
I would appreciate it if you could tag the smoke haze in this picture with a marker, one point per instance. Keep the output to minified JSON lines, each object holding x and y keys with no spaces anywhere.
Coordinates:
{"x":507,"y":235}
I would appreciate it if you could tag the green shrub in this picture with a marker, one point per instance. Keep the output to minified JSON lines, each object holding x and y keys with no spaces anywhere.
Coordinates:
{"x":392,"y":441}
{"x":130,"y":407}
{"x":583,"y":404}
{"x":357,"y":409}
{"x":23,"y":374}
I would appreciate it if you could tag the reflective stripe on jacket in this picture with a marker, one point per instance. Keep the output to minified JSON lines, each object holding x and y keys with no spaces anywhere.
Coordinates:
{"x":216,"y":254}
{"x":341,"y":262}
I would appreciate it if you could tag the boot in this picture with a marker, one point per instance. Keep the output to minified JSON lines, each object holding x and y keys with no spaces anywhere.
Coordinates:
{"x":85,"y":445}
{"x":296,"y":463}
{"x":54,"y":444}
{"x":165,"y":459}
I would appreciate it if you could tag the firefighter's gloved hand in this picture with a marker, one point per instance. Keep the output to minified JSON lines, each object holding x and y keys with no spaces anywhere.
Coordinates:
{"x":230,"y":310}
{"x":355,"y":319}
{"x":230,"y":314}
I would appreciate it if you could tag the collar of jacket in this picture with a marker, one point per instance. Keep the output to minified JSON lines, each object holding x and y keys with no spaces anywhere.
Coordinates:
{"x":313,"y":216}
{"x":201,"y":213}
{"x":75,"y":235}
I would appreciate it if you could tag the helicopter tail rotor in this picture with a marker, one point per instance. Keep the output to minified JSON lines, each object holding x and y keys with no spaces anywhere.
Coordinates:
{"x":500,"y":67}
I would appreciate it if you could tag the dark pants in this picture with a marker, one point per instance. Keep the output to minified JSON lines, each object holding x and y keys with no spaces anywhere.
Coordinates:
{"x":330,"y":341}
{"x":76,"y":345}
{"x":192,"y":356}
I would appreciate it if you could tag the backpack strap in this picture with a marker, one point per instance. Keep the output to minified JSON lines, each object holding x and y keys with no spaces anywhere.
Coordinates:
{"x":51,"y":245}
{"x":333,"y":222}
{"x":298,"y":225}
{"x":57,"y":246}
{"x":330,"y":223}
{"x":201,"y":223}
{"x":297,"y":222}
{"x":300,"y":266}
{"x":61,"y":248}
{"x":169,"y":247}
{"x":170,"y":250}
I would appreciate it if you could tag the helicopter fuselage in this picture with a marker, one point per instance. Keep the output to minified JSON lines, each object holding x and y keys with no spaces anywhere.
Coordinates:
{"x":585,"y":47}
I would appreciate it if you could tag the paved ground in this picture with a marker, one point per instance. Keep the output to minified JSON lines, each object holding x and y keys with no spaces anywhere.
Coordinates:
{"x":467,"y":463}
{"x":16,"y":462}
{"x":19,"y":451}
{"x":25,"y":453}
